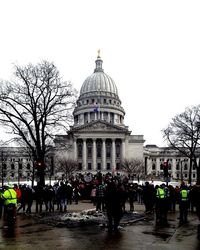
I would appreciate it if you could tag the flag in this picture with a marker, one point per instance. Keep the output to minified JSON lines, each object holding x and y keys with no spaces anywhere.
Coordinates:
{"x":96,"y":108}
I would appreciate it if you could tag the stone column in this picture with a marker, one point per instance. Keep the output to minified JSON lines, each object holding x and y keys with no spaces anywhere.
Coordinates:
{"x":113,"y":154}
{"x":108,"y":116}
{"x":82,"y":119}
{"x":102,"y":116}
{"x":88,"y":117}
{"x":104,"y":154}
{"x":114,"y":118}
{"x":84,"y":155}
{"x":123,"y":152}
{"x":75,"y":150}
{"x":94,"y":155}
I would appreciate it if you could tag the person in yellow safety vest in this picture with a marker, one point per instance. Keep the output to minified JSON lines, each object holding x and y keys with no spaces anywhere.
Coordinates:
{"x":183,"y":204}
{"x":10,"y":201}
{"x":161,"y":207}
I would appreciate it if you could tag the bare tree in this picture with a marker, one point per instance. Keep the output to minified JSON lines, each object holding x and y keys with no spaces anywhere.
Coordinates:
{"x":36,"y":106}
{"x":133,"y":167}
{"x":183,"y":134}
{"x":66,"y":166}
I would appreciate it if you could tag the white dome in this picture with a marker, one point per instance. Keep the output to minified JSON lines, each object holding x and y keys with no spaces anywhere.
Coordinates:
{"x":99,"y":81}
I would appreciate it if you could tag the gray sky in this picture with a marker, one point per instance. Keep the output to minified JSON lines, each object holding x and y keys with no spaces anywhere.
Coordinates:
{"x":150,"y":48}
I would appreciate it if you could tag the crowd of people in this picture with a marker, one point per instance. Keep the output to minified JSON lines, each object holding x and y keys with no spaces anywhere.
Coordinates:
{"x":109,"y":194}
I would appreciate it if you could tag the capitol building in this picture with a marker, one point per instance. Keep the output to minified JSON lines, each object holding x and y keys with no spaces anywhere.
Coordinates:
{"x":99,"y":140}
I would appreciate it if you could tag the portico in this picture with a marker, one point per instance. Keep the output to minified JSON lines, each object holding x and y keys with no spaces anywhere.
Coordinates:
{"x":97,"y":154}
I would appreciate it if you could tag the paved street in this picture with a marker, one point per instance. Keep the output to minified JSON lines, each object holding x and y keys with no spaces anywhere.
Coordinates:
{"x":140,"y":235}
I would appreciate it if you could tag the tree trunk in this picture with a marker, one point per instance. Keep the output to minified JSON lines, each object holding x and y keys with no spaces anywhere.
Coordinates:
{"x":198,"y":172}
{"x":40,"y":176}
{"x":190,"y":173}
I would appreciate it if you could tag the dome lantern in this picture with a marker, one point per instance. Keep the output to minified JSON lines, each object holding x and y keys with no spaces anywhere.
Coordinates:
{"x":99,"y":63}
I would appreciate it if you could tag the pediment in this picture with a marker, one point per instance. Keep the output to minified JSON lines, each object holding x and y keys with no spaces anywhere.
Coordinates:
{"x":99,"y":126}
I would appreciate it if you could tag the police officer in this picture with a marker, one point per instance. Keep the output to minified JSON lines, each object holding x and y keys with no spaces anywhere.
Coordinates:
{"x":10,"y":200}
{"x":1,"y":202}
{"x":161,"y":205}
{"x":183,"y":204}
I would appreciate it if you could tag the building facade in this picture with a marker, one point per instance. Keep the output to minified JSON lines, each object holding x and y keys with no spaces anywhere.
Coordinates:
{"x":178,"y":165}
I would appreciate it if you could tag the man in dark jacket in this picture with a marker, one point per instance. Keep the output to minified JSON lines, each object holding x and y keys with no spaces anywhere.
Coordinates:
{"x":113,"y":202}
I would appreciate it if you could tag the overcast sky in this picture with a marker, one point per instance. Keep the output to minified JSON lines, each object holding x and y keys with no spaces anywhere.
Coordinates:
{"x":150,"y":48}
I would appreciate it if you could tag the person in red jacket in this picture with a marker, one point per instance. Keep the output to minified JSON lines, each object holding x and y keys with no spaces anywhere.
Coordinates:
{"x":18,"y":191}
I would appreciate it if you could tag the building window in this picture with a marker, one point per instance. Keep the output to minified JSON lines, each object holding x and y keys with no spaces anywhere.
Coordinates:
{"x":98,"y":166}
{"x":98,"y":149}
{"x":20,"y":165}
{"x":79,"y":166}
{"x":89,"y":150}
{"x":177,"y":166}
{"x":153,"y":167}
{"x":12,"y":175}
{"x":118,"y":166}
{"x":185,"y":175}
{"x":118,"y":149}
{"x":108,"y":150}
{"x":89,"y":166}
{"x":28,"y":166}
{"x":108,"y":166}
{"x":161,"y":166}
{"x":177,"y":176}
{"x":194,"y":176}
{"x":4,"y":166}
{"x":79,"y":150}
{"x":12,"y":166}
{"x":185,"y":167}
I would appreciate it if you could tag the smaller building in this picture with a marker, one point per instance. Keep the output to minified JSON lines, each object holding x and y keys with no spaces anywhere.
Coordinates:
{"x":178,"y":165}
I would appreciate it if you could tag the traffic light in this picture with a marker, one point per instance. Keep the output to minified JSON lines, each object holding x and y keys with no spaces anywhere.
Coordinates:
{"x":39,"y":164}
{"x":165,"y":168}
